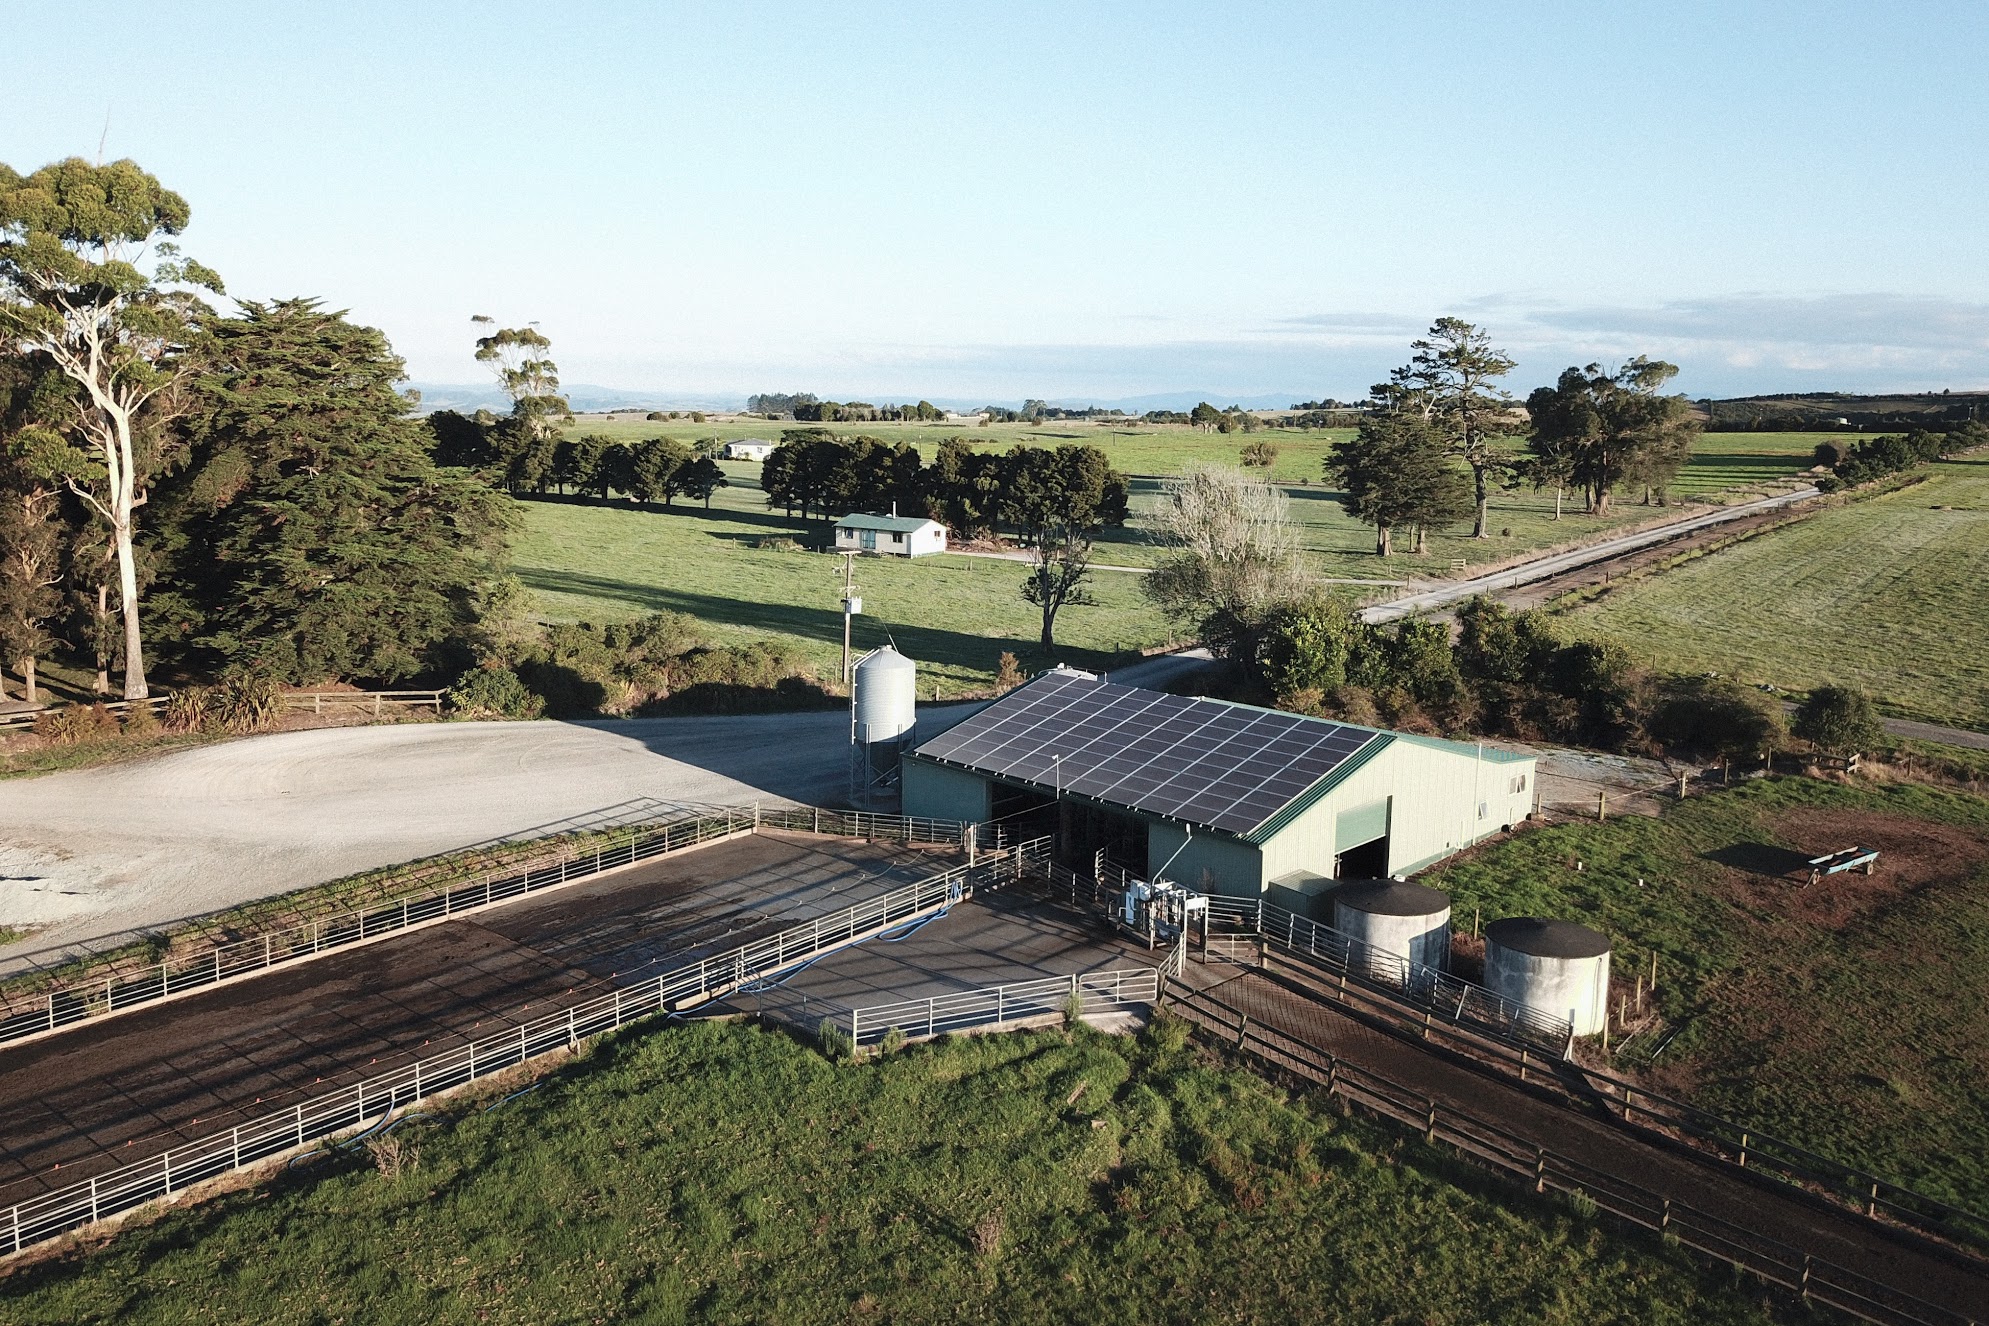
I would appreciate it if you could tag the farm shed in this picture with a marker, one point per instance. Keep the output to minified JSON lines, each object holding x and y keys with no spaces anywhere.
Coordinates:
{"x":1221,"y":797}
{"x":749,"y":448}
{"x":899,"y":536}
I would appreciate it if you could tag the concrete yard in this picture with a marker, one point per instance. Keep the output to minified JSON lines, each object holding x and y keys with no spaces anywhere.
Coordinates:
{"x":997,"y":939}
{"x":107,"y":1092}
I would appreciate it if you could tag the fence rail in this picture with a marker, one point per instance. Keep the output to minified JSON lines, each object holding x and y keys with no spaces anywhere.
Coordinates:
{"x":1812,"y":1277}
{"x":27,"y":717}
{"x":995,"y":1004}
{"x":1740,"y":1145}
{"x":39,"y":1219}
{"x":68,"y":1003}
{"x":1510,"y":1037}
{"x":375,"y":702}
{"x":1457,"y":1000}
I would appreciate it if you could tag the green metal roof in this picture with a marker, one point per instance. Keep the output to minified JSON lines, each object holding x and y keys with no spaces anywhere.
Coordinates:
{"x":895,"y":524}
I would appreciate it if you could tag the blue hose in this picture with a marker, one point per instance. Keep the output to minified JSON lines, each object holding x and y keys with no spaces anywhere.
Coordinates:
{"x":513,"y":1096}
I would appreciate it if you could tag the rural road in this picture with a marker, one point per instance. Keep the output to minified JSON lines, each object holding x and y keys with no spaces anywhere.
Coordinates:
{"x":1540,"y":568}
{"x":1946,"y":736}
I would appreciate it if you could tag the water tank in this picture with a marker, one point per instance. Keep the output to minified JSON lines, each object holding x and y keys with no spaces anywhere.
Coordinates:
{"x":883,"y":696}
{"x":1410,"y":922}
{"x":1557,"y":967}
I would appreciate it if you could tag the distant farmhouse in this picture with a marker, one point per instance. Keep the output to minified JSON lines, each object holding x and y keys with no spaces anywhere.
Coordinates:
{"x":898,"y":536}
{"x":749,"y":448}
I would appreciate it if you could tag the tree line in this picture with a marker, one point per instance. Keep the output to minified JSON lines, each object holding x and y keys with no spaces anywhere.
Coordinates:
{"x":1509,"y":674}
{"x":806,"y":407}
{"x":1874,"y":458}
{"x":211,"y":491}
{"x":518,"y":460}
{"x":1054,"y":500}
{"x":1441,"y":434}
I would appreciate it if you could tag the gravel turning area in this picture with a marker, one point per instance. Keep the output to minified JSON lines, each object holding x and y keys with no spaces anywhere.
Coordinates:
{"x":101,"y":853}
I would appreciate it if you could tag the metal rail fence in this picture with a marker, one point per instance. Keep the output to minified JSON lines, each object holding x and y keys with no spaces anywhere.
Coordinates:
{"x":1422,"y":1002}
{"x":1437,"y":993}
{"x":1457,"y":1000}
{"x":995,"y":1004}
{"x":1811,"y":1277}
{"x":39,"y":1219}
{"x":68,"y":1003}
{"x":1743,"y":1146}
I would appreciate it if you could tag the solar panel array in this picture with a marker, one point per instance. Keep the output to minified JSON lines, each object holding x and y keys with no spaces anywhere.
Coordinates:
{"x":1202,"y":761}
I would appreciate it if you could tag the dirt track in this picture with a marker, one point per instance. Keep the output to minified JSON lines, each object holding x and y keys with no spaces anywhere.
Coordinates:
{"x":1283,"y":999}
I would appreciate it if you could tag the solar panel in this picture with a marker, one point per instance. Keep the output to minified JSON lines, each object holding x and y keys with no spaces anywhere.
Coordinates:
{"x":1203,"y":761}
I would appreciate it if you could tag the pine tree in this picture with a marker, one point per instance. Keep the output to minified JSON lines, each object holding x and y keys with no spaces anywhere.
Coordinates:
{"x":317,"y":539}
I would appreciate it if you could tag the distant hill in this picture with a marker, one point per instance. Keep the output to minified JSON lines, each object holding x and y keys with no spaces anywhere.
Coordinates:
{"x":1825,"y":411}
{"x":583,"y":397}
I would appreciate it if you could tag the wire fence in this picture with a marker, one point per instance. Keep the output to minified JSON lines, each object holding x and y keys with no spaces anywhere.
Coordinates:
{"x":39,"y":1219}
{"x":992,"y":1005}
{"x":66,"y":1003}
{"x":1813,"y":1278}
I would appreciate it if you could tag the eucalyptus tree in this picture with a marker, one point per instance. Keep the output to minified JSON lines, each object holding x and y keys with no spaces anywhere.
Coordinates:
{"x":75,"y":242}
{"x":1452,"y":380}
{"x":1059,"y":569}
{"x":521,"y":360}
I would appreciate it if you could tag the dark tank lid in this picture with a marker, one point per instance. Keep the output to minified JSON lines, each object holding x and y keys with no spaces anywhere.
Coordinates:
{"x":1547,"y":939}
{"x":1391,"y":897}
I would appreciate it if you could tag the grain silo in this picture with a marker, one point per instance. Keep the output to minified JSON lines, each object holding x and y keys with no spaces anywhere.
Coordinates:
{"x":883,"y":713}
{"x":1554,"y":967}
{"x":1410,"y":922}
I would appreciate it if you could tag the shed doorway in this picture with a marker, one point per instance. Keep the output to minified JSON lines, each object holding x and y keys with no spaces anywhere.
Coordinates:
{"x":1362,"y":837}
{"x":1367,"y":860}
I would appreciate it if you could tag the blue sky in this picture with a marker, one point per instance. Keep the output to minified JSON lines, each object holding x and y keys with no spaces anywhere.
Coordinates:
{"x":1069,"y":200}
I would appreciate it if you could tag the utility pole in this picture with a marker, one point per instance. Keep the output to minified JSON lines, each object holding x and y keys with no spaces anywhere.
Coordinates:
{"x":852,"y":605}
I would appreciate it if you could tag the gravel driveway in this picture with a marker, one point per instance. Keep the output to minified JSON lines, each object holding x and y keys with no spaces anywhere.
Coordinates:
{"x":101,"y":853}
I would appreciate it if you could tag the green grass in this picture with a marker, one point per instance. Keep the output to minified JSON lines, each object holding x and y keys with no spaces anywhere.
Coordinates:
{"x":955,"y":615}
{"x":25,"y":763}
{"x":1887,"y":594}
{"x":1848,"y":1017}
{"x":595,"y":563}
{"x":724,"y":1174}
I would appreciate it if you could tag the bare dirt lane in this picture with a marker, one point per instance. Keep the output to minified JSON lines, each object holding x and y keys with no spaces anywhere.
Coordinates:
{"x":105,"y":1093}
{"x":1286,"y":998}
